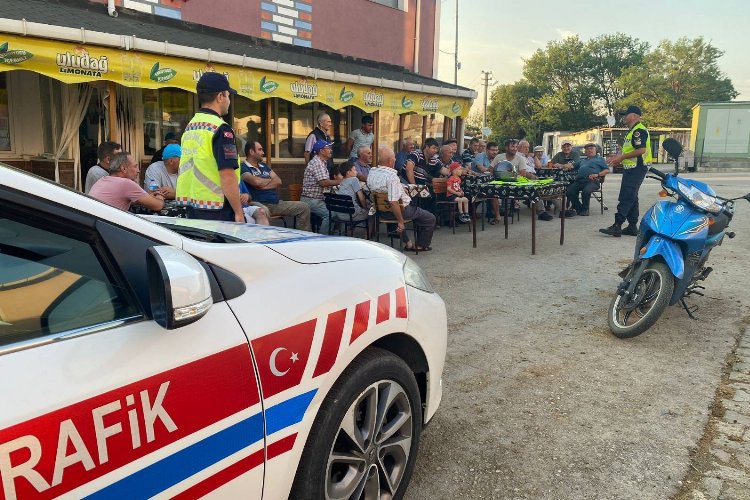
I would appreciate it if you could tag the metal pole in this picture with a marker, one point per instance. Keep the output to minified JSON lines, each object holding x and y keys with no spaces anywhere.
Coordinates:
{"x":455,"y":55}
{"x":486,"y":85}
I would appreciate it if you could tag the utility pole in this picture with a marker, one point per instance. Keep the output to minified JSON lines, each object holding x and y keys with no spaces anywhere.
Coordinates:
{"x":455,"y":55}
{"x":487,"y":76}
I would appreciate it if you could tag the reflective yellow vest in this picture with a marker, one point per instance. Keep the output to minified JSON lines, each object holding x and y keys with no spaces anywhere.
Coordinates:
{"x":198,"y":181}
{"x":627,"y":147}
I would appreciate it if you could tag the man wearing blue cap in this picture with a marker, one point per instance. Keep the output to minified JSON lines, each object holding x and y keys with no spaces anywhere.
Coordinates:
{"x":315,"y":179}
{"x":209,"y":176}
{"x":636,"y":159}
{"x":161,"y":176}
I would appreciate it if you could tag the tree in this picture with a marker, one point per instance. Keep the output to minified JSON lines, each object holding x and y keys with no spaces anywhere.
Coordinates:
{"x":608,"y":56}
{"x":559,"y":74}
{"x":512,"y":112}
{"x":674,"y":78}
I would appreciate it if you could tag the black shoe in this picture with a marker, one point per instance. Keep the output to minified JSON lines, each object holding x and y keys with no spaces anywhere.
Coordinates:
{"x":569,"y":213}
{"x":613,"y":230}
{"x":631,"y":230}
{"x":545,"y":216}
{"x":583,"y":213}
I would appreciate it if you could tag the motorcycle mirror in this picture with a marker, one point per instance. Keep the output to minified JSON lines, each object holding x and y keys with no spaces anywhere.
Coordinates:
{"x":672,"y":147}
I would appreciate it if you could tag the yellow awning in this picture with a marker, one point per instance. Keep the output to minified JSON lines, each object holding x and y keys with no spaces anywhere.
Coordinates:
{"x":77,"y":63}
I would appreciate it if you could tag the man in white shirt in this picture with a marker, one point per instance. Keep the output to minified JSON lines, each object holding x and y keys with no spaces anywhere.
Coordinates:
{"x":384,"y":179}
{"x":163,"y":174}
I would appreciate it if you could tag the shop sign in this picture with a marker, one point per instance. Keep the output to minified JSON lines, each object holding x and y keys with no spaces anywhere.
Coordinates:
{"x":346,"y":95}
{"x":373,"y":98}
{"x":161,"y":75}
{"x":301,"y":89}
{"x":81,"y":63}
{"x":267,"y":86}
{"x":16,"y":56}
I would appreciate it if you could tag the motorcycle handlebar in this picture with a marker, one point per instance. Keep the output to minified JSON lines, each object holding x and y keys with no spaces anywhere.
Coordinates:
{"x":657,"y":173}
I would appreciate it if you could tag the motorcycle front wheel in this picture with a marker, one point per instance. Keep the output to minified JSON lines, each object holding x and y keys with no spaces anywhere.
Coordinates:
{"x":629,"y":318}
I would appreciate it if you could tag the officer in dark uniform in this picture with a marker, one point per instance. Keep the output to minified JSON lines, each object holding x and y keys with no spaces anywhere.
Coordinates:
{"x":636,"y":159}
{"x":208,"y":180}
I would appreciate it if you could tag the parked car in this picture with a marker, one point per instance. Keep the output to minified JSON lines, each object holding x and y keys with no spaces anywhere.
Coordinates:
{"x":185,"y":358}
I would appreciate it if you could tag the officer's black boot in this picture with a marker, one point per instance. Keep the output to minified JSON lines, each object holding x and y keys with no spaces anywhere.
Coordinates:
{"x":631,"y":230}
{"x":613,"y":230}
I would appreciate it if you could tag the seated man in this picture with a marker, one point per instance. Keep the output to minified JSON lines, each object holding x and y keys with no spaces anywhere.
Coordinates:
{"x":566,"y":159}
{"x":540,"y":158}
{"x":315,"y":179}
{"x":383,"y":179}
{"x":261,"y":183}
{"x":590,"y":172}
{"x":104,"y":152}
{"x":470,"y":153}
{"x":163,"y":174}
{"x":120,"y":188}
{"x":363,"y":163}
{"x":483,"y":160}
{"x":417,"y":164}
{"x":407,"y":146}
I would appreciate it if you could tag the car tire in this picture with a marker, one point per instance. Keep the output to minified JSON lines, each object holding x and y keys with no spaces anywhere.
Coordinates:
{"x":376,"y":396}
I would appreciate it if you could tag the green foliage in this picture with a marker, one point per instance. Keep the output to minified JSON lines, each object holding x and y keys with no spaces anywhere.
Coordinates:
{"x":675,"y":77}
{"x":574,"y":85}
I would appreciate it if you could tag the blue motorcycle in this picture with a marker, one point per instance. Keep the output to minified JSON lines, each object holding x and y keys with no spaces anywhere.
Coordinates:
{"x":673,"y":245}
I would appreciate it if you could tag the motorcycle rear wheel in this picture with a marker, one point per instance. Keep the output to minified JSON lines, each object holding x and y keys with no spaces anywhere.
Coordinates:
{"x":651,"y":296}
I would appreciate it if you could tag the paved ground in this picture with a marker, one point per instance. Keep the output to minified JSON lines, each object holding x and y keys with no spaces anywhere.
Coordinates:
{"x":542,"y":401}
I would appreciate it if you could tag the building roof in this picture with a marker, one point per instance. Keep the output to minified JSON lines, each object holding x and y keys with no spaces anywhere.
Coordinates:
{"x":723,"y":103}
{"x":79,"y":14}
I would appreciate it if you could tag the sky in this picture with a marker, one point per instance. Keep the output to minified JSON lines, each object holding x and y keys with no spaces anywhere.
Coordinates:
{"x":496,"y":35}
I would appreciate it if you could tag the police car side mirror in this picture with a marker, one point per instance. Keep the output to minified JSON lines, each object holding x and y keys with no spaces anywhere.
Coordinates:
{"x":179,"y":288}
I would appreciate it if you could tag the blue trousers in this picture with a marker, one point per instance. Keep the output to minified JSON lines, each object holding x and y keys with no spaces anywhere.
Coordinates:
{"x":627,"y":206}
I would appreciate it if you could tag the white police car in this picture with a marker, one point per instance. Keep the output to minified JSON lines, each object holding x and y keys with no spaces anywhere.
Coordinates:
{"x":200,"y":358}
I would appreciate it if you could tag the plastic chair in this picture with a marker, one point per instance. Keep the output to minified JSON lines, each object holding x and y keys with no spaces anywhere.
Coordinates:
{"x":343,"y":204}
{"x":599,"y":195}
{"x":383,"y":215}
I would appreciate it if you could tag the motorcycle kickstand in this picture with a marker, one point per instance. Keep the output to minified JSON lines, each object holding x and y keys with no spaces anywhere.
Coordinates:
{"x":689,"y":310}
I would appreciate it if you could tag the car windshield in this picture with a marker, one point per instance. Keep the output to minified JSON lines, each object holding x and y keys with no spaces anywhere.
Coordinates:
{"x":199,"y":234}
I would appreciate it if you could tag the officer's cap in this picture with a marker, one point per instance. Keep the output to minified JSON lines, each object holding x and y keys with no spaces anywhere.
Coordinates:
{"x":631,"y":109}
{"x":213,"y":82}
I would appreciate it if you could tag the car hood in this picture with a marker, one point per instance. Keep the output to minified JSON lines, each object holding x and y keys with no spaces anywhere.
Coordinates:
{"x":299,"y":246}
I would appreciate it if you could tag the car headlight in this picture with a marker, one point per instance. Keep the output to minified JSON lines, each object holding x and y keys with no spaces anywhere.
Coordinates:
{"x":699,"y":198}
{"x":415,"y":277}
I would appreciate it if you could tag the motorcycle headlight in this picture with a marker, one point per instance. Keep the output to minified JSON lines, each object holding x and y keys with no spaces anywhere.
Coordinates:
{"x":415,"y":277}
{"x":700,"y":199}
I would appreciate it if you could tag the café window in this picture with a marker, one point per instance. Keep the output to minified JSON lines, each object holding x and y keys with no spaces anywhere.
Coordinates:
{"x":388,"y":130}
{"x":4,"y":114}
{"x":413,"y":128}
{"x":248,"y":121}
{"x":164,"y":111}
{"x":435,"y":127}
{"x":293,"y":123}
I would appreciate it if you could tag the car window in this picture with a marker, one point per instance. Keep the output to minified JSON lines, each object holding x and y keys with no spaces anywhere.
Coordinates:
{"x":52,"y":283}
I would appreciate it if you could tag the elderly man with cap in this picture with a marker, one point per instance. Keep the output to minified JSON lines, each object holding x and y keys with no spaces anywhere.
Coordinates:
{"x":161,"y":176}
{"x":540,"y":157}
{"x":636,"y":159}
{"x":315,"y":179}
{"x":209,"y":177}
{"x":566,"y":159}
{"x":590,"y":173}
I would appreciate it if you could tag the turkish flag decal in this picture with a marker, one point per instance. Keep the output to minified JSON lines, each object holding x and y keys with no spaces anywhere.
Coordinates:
{"x":282,"y":357}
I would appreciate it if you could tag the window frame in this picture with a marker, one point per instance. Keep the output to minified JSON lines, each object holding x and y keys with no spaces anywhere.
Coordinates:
{"x":12,"y":119}
{"x":67,"y":222}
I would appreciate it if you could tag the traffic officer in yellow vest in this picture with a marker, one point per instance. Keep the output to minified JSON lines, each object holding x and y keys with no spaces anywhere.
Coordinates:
{"x":635,"y":159}
{"x":209,"y":177}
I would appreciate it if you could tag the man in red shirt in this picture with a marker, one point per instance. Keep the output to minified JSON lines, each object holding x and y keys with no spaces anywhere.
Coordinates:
{"x":120,"y":188}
